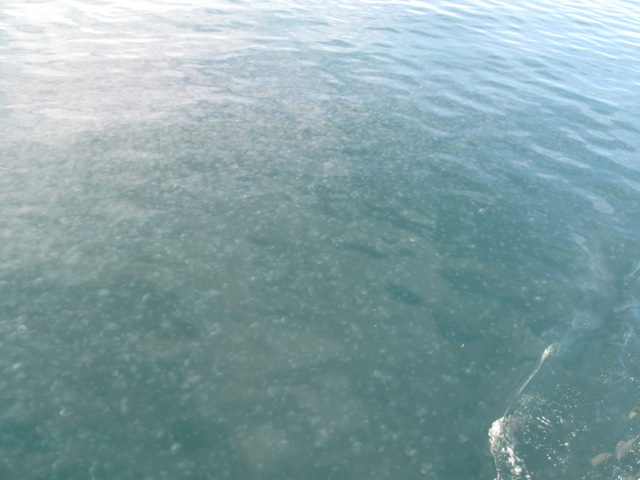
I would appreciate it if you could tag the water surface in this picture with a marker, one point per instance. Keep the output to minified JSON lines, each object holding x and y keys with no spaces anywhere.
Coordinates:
{"x":282,"y":239}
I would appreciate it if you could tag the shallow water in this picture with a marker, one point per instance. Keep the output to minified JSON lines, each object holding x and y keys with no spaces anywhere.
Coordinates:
{"x":312,"y":239}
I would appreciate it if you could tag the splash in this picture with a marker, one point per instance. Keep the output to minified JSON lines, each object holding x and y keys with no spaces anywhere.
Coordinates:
{"x":576,"y":414}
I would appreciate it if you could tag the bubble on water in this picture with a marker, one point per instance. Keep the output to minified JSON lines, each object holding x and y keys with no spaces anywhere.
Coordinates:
{"x":584,"y":322}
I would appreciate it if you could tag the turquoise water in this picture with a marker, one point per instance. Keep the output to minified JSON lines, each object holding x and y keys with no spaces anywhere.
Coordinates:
{"x":319,"y":239}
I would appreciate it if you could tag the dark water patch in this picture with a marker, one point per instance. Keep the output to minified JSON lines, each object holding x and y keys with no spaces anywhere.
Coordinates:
{"x":488,"y":286}
{"x":404,"y":295}
{"x":20,"y":437}
{"x":364,"y":250}
{"x":453,"y":333}
{"x":468,"y":282}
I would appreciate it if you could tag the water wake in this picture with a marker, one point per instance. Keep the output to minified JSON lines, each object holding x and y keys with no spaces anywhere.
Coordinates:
{"x":577,"y":419}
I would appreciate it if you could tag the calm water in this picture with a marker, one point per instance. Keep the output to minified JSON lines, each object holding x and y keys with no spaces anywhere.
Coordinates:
{"x":319,"y":239}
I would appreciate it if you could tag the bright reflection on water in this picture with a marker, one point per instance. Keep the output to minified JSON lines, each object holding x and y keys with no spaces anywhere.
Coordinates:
{"x":332,"y":240}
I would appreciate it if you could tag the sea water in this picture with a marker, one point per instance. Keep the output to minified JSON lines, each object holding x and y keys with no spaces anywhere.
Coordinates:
{"x":319,"y":239}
